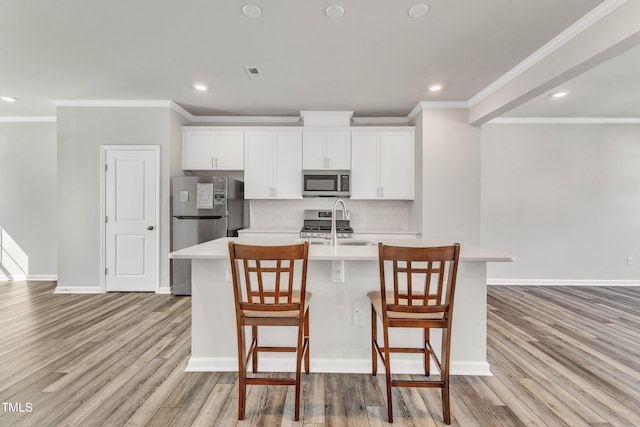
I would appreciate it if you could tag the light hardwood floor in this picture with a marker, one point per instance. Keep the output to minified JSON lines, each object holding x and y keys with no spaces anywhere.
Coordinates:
{"x":561,"y":356}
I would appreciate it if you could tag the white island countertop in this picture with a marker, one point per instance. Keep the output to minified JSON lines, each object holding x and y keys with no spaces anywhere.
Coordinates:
{"x":218,"y":249}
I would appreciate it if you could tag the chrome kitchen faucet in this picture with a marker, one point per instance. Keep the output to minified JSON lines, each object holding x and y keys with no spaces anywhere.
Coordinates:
{"x":345,"y":214}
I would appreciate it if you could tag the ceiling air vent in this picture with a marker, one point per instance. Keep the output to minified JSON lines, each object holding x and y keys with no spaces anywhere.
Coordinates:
{"x":254,"y":73}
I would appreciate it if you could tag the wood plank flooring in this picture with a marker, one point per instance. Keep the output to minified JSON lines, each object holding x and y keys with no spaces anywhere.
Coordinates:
{"x":561,"y":356}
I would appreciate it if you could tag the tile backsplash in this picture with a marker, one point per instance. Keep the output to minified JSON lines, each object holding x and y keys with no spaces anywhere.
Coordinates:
{"x":365,"y":214}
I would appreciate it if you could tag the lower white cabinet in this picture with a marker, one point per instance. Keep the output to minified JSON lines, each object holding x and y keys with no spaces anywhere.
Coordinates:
{"x":382,"y":164}
{"x":273,"y":164}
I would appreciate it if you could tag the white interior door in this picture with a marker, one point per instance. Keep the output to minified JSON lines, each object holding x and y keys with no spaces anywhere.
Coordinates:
{"x":131,"y":232}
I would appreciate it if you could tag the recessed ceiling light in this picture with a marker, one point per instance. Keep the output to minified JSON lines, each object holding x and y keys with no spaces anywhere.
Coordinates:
{"x":8,"y":98}
{"x":418,"y":11}
{"x":435,"y":87}
{"x":560,"y":94}
{"x":200,"y":87}
{"x":334,"y":11}
{"x":251,"y":11}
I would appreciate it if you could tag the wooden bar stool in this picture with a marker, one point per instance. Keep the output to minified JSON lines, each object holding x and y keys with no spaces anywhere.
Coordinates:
{"x":424,"y":280}
{"x":268,"y":293}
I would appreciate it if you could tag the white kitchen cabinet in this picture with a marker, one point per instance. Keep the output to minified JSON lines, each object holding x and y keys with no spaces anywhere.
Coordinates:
{"x":212,"y":149}
{"x":382,"y":165}
{"x":273,"y":164}
{"x":326,"y":149}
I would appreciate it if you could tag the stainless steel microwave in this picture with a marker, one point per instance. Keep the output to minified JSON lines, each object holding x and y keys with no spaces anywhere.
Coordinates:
{"x":326,"y":183}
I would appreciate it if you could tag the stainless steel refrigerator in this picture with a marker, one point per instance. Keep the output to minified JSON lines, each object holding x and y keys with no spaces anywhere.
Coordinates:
{"x":204,"y":208}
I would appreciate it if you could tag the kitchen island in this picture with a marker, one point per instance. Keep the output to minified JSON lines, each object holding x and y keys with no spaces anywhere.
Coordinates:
{"x":340,"y":315}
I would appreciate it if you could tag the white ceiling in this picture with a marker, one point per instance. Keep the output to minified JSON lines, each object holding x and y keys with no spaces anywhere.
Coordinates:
{"x":375,"y":60}
{"x":610,"y":90}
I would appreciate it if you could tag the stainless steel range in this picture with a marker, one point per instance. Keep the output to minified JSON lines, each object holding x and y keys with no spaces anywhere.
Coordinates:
{"x":318,"y":224}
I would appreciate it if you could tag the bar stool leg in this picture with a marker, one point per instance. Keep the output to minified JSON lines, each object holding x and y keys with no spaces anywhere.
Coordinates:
{"x":387,"y":368}
{"x":299,"y":356}
{"x":254,"y":342}
{"x":306,"y":341}
{"x":445,"y":366}
{"x":242,"y":372}
{"x":427,"y":353}
{"x":374,"y":338}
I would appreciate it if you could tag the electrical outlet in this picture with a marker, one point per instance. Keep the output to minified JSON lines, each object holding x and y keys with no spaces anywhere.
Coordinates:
{"x":629,"y":260}
{"x":358,"y":316}
{"x":337,"y":271}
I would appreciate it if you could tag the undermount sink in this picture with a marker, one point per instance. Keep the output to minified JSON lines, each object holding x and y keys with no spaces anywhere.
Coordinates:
{"x":356,"y":243}
{"x":344,"y":242}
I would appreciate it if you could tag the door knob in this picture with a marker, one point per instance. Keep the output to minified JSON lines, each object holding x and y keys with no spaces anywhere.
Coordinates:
{"x":150,"y":227}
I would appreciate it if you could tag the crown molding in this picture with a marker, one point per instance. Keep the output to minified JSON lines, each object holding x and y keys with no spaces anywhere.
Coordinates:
{"x":184,"y":113}
{"x":380,"y":120}
{"x":579,"y":26}
{"x":326,"y":118}
{"x":113,"y":103}
{"x":245,"y":119}
{"x":565,"y":120}
{"x":34,"y":119}
{"x":295,"y":119}
{"x":425,"y":105}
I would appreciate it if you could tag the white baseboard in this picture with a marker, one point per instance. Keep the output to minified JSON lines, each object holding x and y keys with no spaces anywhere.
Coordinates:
{"x":561,"y":282}
{"x":478,"y":369}
{"x":31,"y":277}
{"x":77,"y":290}
{"x":342,"y":366}
{"x":95,"y":290}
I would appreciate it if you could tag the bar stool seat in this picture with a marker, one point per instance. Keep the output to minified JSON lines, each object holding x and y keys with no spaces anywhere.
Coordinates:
{"x":376,"y":302}
{"x":279,"y":314}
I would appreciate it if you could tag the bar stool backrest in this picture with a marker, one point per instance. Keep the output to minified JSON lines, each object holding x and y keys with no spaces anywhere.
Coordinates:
{"x":272,"y":282}
{"x":423,"y":280}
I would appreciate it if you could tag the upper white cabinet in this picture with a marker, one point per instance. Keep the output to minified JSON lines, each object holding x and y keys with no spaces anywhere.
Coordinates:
{"x":212,"y":149}
{"x":381,"y":159}
{"x":382,"y":165}
{"x":273,"y":164}
{"x":326,"y":149}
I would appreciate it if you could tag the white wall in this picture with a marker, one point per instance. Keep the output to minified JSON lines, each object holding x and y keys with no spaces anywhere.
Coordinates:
{"x":28,"y":201}
{"x":564,"y":199}
{"x":450,"y":176}
{"x":81,"y":132}
{"x":416,"y":208}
